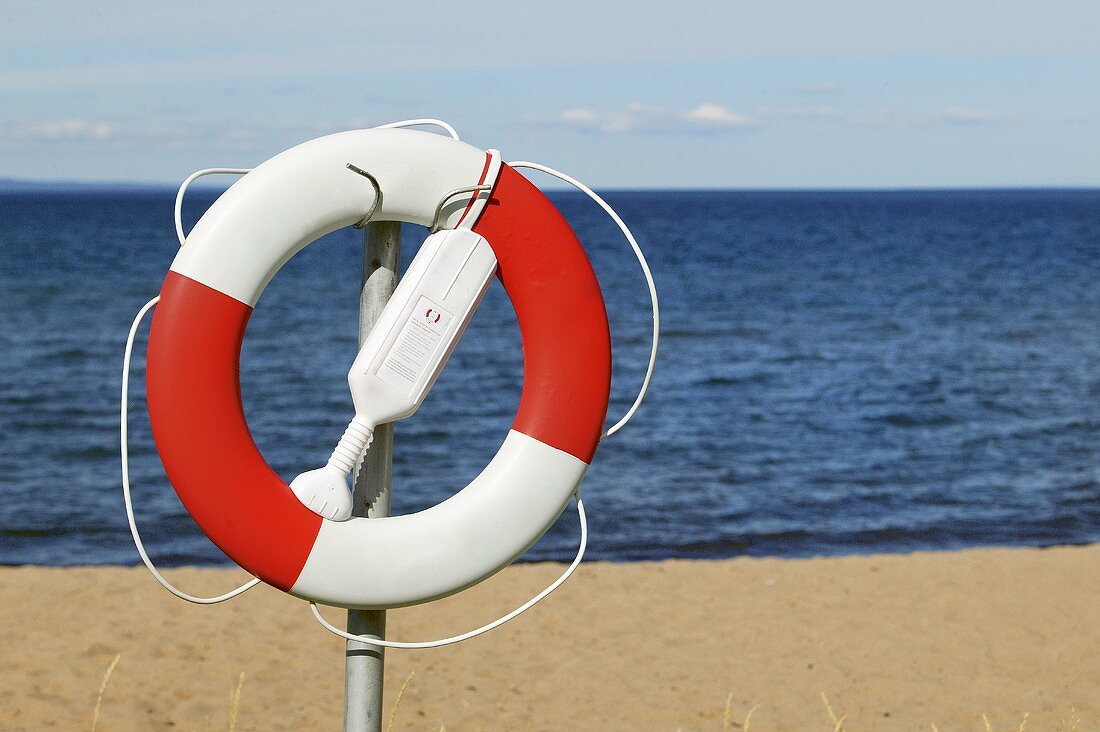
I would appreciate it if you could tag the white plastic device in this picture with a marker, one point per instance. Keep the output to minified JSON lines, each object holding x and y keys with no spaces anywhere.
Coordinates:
{"x":403,"y":355}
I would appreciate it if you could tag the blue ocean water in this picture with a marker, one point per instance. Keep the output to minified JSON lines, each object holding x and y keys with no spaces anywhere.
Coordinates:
{"x":840,"y":372}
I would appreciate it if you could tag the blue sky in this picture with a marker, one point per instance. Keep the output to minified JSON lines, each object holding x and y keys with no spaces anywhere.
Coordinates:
{"x":638,"y":94}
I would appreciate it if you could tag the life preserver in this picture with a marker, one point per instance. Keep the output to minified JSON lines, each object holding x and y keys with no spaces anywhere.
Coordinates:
{"x":193,"y":381}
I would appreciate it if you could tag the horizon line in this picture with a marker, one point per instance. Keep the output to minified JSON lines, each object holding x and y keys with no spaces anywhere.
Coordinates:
{"x":13,"y":184}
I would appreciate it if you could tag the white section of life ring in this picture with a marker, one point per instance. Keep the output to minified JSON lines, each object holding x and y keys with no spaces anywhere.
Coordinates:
{"x":402,"y":560}
{"x":307,"y":192}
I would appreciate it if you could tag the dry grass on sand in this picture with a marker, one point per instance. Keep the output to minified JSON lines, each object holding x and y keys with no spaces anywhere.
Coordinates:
{"x":981,"y":640}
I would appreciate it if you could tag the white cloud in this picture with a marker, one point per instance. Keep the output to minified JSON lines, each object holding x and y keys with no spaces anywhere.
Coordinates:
{"x":706,"y":117}
{"x":717,"y":116}
{"x":60,"y":130}
{"x":712,"y":117}
{"x":67,"y":133}
{"x":581,"y":117}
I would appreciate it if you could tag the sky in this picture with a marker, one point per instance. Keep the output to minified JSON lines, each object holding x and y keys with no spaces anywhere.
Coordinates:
{"x":842,"y":94}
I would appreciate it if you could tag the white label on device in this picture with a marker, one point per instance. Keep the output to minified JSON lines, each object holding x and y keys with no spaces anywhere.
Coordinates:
{"x":415,"y":346}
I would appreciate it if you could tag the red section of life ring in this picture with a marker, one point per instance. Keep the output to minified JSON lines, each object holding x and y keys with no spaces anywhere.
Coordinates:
{"x":194,"y":392}
{"x":193,"y":382}
{"x":561,"y":314}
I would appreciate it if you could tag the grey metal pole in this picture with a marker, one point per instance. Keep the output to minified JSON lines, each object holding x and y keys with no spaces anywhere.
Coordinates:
{"x":364,"y":664}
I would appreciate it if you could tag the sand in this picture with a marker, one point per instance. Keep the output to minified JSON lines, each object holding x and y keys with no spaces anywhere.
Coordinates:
{"x":895,"y":643}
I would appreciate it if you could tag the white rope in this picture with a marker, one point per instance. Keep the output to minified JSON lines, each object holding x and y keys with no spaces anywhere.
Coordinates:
{"x":485,"y":628}
{"x":645,"y":271}
{"x":417,"y":122}
{"x":126,"y":478}
{"x":178,"y":212}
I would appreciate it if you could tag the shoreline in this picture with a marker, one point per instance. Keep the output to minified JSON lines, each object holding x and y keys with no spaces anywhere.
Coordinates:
{"x":894,"y":641}
{"x":228,"y":565}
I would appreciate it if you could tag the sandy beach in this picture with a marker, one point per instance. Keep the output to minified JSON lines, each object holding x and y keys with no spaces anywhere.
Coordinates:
{"x":895,"y":642}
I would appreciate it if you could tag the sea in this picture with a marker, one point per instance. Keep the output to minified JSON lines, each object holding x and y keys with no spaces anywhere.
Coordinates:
{"x":840,"y":372}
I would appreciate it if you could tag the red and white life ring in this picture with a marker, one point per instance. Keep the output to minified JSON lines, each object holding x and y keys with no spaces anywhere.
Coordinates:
{"x":193,"y":381}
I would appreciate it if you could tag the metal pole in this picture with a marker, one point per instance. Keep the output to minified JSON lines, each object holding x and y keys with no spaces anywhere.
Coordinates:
{"x":364,"y":664}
